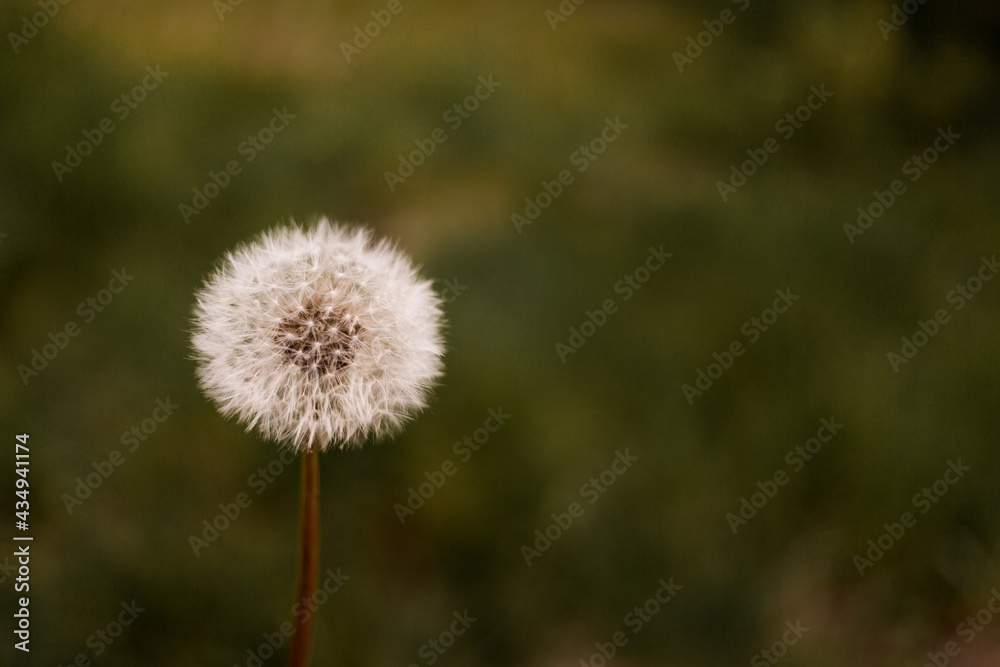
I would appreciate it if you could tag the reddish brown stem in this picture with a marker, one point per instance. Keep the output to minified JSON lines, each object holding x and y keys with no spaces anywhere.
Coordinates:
{"x":308,"y":559}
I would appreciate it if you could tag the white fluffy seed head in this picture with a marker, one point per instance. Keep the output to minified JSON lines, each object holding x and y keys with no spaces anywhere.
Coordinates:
{"x":318,"y":337}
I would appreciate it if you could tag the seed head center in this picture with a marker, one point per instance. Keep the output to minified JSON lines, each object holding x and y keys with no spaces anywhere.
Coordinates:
{"x":319,"y":338}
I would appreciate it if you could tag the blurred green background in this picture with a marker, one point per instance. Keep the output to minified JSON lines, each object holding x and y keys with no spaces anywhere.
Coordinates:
{"x":513,"y":295}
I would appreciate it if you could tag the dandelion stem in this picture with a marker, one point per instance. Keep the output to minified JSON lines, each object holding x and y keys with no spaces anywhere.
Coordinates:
{"x":308,"y":559}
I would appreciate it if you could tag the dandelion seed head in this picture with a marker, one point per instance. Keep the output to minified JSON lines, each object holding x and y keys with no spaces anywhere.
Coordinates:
{"x":318,"y":337}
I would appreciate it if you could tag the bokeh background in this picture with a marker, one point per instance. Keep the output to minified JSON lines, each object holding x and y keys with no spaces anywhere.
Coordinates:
{"x":513,"y":294}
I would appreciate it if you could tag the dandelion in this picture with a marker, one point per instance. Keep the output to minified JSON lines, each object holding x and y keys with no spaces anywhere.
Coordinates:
{"x":317,"y":338}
